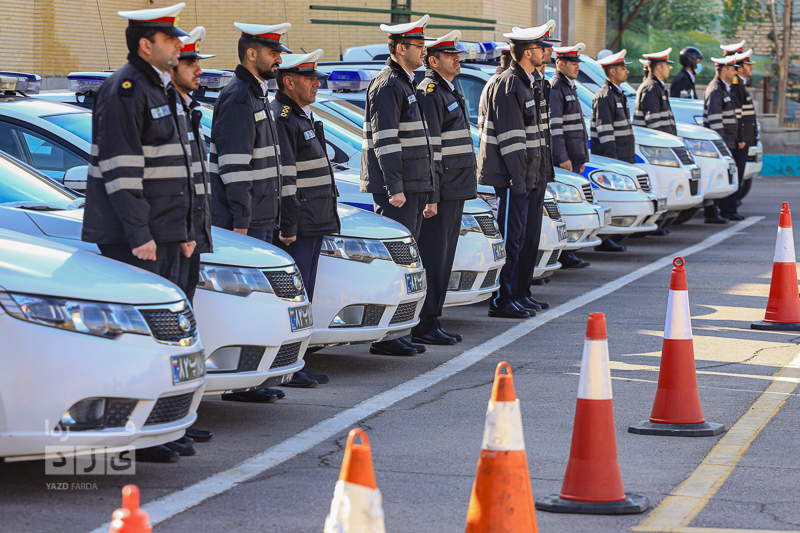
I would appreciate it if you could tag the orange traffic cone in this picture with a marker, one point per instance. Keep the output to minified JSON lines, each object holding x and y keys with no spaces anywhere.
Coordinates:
{"x":130,"y":519}
{"x":676,"y":410}
{"x":592,"y":482}
{"x":783,"y":306}
{"x":502,"y":499}
{"x":357,"y":506}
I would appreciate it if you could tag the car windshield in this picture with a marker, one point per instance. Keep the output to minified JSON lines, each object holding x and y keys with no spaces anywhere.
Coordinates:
{"x":207,"y":115}
{"x":349,"y":111}
{"x":79,"y":124}
{"x":340,"y":128}
{"x":20,"y":184}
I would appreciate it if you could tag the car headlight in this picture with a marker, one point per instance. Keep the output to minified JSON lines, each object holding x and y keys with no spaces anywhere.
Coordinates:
{"x":565,"y":193}
{"x":232,"y":280}
{"x":361,"y":250}
{"x":468,"y":223}
{"x":613,"y":181}
{"x":93,"y":318}
{"x":490,"y":199}
{"x":660,"y":156}
{"x":698,"y":119}
{"x":701,"y":148}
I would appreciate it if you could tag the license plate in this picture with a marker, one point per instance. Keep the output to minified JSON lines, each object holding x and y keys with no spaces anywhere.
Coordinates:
{"x":188,"y":367}
{"x":300,"y":317}
{"x":562,"y":233}
{"x":499,"y":250}
{"x":661,"y":204}
{"x":415,"y":282}
{"x":286,"y":378}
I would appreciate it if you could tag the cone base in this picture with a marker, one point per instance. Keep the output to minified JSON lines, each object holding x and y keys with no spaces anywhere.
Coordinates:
{"x":632,"y":504}
{"x":706,"y":429}
{"x":775,"y":326}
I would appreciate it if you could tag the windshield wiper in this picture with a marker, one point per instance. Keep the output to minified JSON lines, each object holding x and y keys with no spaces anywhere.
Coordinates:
{"x":34,"y":206}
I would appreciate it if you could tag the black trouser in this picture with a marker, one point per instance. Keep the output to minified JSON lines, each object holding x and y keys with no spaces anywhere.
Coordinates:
{"x":728,"y":205}
{"x":512,"y":215}
{"x":530,"y":247}
{"x":190,"y":275}
{"x":265,"y":236}
{"x":437,"y":248}
{"x":409,"y":214}
{"x":167,"y":263}
{"x":305,"y":252}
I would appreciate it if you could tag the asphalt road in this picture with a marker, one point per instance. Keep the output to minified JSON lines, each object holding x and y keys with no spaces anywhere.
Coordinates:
{"x":425,"y":415}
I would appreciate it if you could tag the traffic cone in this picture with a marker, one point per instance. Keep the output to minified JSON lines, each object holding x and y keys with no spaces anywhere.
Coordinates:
{"x":130,"y":519}
{"x":502,"y":499}
{"x":676,"y":410}
{"x":592,"y":482}
{"x":783,"y":306}
{"x":357,"y":506}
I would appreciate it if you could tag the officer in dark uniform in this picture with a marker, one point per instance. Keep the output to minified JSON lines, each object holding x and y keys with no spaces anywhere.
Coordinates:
{"x":719,"y":114}
{"x":652,"y":108}
{"x":245,"y":174}
{"x":505,"y":64}
{"x":397,"y":156}
{"x":570,"y":140}
{"x":308,"y":192}
{"x":682,"y":85}
{"x":140,"y":189}
{"x":509,"y":159}
{"x":454,"y":155}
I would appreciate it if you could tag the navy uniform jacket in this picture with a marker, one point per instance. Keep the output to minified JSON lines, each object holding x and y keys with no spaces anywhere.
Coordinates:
{"x":570,"y":140}
{"x":719,"y":113}
{"x":541,"y":92}
{"x":308,"y":194}
{"x":245,"y":179}
{"x":510,"y":147}
{"x":446,"y":115}
{"x":396,"y":154}
{"x":201,"y":211}
{"x":745,"y":111}
{"x":652,"y":107}
{"x":682,"y":82}
{"x":140,"y":185}
{"x":612,"y":133}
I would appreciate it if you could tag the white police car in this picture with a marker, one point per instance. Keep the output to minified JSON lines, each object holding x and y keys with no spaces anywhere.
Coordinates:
{"x":97,"y":355}
{"x":584,"y":220}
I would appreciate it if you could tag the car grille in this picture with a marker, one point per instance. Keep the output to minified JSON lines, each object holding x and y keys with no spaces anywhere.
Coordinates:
{"x":539,"y":256}
{"x":287,"y":355}
{"x":118,"y":411}
{"x":404,"y":313}
{"x":644,"y":182}
{"x":170,"y":409}
{"x":467,"y":280}
{"x":553,"y":258}
{"x":283,"y":284}
{"x":402,"y":253}
{"x":164,"y":324}
{"x":723,"y":149}
{"x":250,"y":358}
{"x":373,"y":315}
{"x":587,"y":192}
{"x":490,"y":279}
{"x":683,"y":155}
{"x":693,"y":187}
{"x":552,"y":210}
{"x":488,"y":226}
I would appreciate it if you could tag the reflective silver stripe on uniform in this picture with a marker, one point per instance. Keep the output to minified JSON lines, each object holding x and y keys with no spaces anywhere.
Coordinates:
{"x":384,"y":150}
{"x":200,"y":188}
{"x":384,"y":134}
{"x":574,"y":127}
{"x":121,"y":161}
{"x":621,"y":123}
{"x":572,"y":116}
{"x":604,"y":127}
{"x":128,"y":184}
{"x":557,"y":131}
{"x":163,"y":151}
{"x":288,"y":171}
{"x":213,"y":167}
{"x":715,"y":116}
{"x":729,"y":121}
{"x":411,"y":126}
{"x":213,"y":148}
{"x":197,"y":166}
{"x":458,"y":149}
{"x":95,"y":150}
{"x":747,"y":112}
{"x":534,"y":129}
{"x":237,"y":177}
{"x":288,"y":190}
{"x":607,"y":139}
{"x":488,"y":125}
{"x":305,"y":183}
{"x":489,"y":139}
{"x":265,"y":173}
{"x":510,"y":135}
{"x":639,"y":122}
{"x":303,"y":166}
{"x":367,"y":143}
{"x":512,"y":148}
{"x":264,"y":151}
{"x":534,"y":143}
{"x":555,"y":121}
{"x":176,"y":171}
{"x":435,"y":140}
{"x":413,"y":141}
{"x":437,"y":156}
{"x":234,"y":159}
{"x":94,"y":172}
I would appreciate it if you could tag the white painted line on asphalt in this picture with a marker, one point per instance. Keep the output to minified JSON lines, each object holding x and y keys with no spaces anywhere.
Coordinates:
{"x":179,"y":501}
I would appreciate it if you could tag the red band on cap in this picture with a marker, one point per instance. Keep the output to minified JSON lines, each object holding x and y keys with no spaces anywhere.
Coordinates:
{"x":416,"y":30}
{"x":572,"y":53}
{"x":305,"y":65}
{"x":450,"y":44}
{"x":188,"y":48}
{"x":171,"y":20}
{"x":275,"y":36}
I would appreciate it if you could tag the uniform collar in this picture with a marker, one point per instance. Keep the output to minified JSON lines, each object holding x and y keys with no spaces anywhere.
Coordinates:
{"x":165,"y":77}
{"x":150,"y":72}
{"x":522,"y":72}
{"x":281,"y":97}
{"x":616,"y":87}
{"x":691,"y":76}
{"x":255,"y":84}
{"x":430,"y":73}
{"x":391,"y":63}
{"x":566,"y":79}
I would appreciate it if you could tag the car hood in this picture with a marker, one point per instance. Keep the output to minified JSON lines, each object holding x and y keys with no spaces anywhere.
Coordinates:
{"x":367,"y":225}
{"x":37,"y":266}
{"x":598,"y":162}
{"x":571,"y":178}
{"x":690,"y":131}
{"x":648,"y":137}
{"x":229,"y":248}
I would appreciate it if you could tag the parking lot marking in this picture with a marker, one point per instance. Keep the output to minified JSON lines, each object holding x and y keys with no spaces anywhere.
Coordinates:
{"x":688,"y":499}
{"x":181,"y":500}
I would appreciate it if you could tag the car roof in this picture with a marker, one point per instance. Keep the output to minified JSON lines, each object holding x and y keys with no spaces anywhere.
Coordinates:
{"x":36,"y":107}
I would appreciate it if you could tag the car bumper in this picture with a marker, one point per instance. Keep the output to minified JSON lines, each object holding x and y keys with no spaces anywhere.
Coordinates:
{"x":674,"y":183}
{"x":35,"y":394}
{"x":631,"y":211}
{"x":550,"y":247}
{"x":755,"y":163}
{"x":583,"y":223}
{"x":475,"y":260}
{"x":719,"y":177}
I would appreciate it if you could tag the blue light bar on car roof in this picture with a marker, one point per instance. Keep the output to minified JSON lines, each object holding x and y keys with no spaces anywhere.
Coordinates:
{"x":86,"y":82}
{"x":26,"y":83}
{"x":215,"y":79}
{"x":350,"y":80}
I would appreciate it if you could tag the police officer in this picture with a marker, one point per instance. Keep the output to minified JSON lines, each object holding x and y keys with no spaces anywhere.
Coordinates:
{"x":245,"y":176}
{"x":397,"y":156}
{"x":509,"y":158}
{"x":570,"y":140}
{"x":719,"y":114}
{"x":140,"y":187}
{"x":611,"y":131}
{"x":454,"y":155}
{"x":308,"y":191}
{"x":505,"y":63}
{"x":682,"y":85}
{"x":652,"y":108}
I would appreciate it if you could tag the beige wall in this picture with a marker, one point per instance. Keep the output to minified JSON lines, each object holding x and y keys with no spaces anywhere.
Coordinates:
{"x":589,"y":21}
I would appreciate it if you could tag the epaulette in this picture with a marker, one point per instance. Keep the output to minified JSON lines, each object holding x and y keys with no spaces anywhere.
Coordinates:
{"x":431,"y":87}
{"x":285,"y":110}
{"x":126,"y":87}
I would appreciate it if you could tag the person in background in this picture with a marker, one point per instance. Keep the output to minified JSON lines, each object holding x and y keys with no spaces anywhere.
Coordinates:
{"x":682,"y":85}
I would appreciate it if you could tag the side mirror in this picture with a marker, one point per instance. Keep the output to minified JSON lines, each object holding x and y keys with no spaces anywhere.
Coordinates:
{"x":75,"y":178}
{"x":331,"y":153}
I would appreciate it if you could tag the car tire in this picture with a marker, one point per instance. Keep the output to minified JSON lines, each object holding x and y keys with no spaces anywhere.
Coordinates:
{"x":686,"y":215}
{"x":745,"y":188}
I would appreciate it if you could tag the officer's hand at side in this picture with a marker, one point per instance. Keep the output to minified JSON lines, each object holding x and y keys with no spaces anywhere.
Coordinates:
{"x":741,"y":145}
{"x":430,"y":210}
{"x":242,"y":231}
{"x":146,"y":252}
{"x":287,"y":240}
{"x":187,"y":248}
{"x":566,"y":165}
{"x":582,"y":169}
{"x":398,"y":199}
